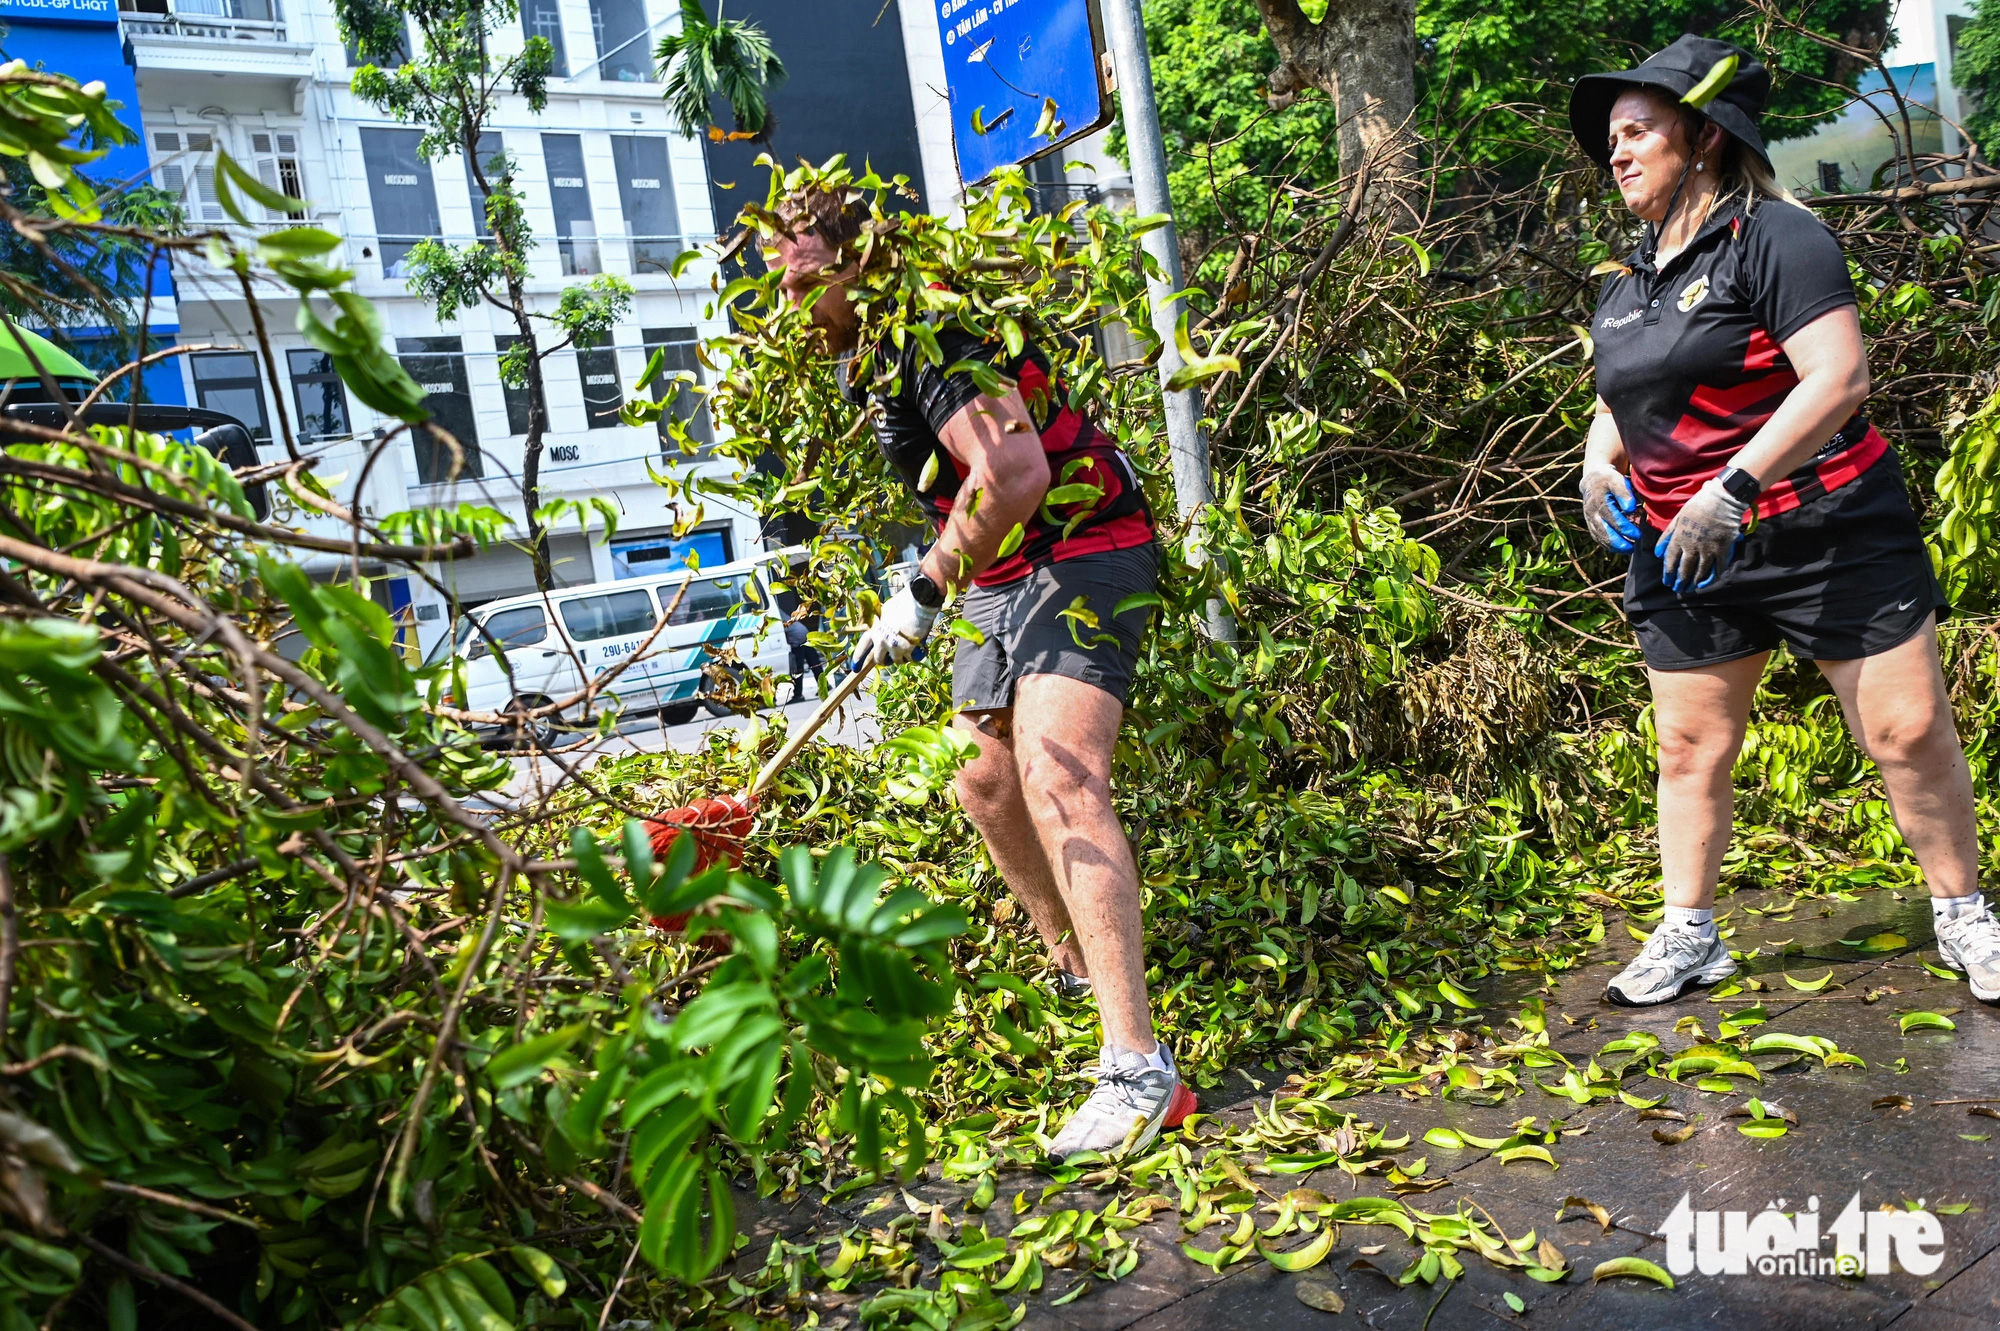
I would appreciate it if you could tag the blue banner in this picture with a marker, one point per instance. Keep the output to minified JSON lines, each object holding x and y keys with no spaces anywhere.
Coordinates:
{"x":61,"y":11}
{"x":1024,"y":78}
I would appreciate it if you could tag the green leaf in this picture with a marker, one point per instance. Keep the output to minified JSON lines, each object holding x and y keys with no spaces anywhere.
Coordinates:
{"x":1876,"y":943}
{"x":1300,"y":1259}
{"x":1810,"y":986}
{"x":583,"y":921}
{"x":1513,"y":1153}
{"x":1762,"y":1127}
{"x":299,"y":241}
{"x":1011,"y":541}
{"x":1637,"y":1267}
{"x":1513,"y":1301}
{"x":1926,"y":1021}
{"x":1457,"y":996}
{"x":1076,"y":492}
{"x":522,"y":1062}
{"x":1700,"y":95}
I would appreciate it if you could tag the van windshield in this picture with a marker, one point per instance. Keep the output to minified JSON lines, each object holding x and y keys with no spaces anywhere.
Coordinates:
{"x":451,"y":642}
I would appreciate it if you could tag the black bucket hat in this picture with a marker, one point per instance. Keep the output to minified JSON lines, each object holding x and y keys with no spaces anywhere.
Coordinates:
{"x":1675,"y":71}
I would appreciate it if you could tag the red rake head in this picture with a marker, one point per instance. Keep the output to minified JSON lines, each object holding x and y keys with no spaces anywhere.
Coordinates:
{"x":718,"y":826}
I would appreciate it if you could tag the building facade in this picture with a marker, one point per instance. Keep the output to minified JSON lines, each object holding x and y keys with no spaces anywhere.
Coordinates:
{"x":608,"y":188}
{"x":81,"y":38}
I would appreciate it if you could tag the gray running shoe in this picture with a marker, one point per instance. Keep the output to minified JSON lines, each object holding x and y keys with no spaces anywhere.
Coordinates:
{"x":1132,"y":1102}
{"x":1072,"y":986}
{"x":1971,"y":943}
{"x":1675,"y":959}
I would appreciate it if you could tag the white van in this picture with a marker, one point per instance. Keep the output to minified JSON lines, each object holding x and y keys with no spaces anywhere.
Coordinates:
{"x":554,"y":642}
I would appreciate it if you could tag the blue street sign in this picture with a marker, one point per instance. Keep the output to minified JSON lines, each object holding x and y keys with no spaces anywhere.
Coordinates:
{"x":1005,"y":61}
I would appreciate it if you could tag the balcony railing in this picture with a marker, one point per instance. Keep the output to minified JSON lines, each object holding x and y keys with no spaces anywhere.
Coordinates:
{"x":205,"y":20}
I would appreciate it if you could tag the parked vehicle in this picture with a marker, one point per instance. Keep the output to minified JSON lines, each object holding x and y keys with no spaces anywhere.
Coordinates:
{"x":525,"y":652}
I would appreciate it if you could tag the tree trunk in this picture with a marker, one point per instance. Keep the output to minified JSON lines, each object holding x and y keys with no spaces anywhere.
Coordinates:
{"x":531,"y":454}
{"x":538,"y":405}
{"x":1363,"y":55}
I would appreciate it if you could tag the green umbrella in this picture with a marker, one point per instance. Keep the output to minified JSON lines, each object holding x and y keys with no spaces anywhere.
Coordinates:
{"x":14,"y":362}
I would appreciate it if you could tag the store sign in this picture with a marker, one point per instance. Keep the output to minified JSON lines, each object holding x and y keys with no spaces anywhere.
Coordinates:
{"x":1024,"y":78}
{"x":60,"y":11}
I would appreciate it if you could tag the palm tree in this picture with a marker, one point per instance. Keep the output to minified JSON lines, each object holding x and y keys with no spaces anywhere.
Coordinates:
{"x":730,"y":59}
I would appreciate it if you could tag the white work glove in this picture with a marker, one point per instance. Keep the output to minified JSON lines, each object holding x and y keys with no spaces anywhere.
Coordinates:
{"x":898,"y":633}
{"x":1608,"y":506}
{"x":1703,"y":538}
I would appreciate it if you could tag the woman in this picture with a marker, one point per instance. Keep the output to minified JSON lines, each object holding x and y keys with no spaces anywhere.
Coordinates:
{"x":1730,"y":456}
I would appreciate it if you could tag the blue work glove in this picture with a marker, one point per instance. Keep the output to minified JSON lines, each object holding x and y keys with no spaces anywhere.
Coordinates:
{"x":1608,"y":506}
{"x":898,"y":633}
{"x":1702,"y":539}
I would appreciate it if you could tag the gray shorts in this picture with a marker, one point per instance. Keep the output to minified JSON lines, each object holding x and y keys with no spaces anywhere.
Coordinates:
{"x":1027,"y":633}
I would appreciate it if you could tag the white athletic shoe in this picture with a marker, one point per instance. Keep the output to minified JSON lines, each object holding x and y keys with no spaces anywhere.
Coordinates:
{"x":1971,"y":944}
{"x":1676,"y":958}
{"x":1132,"y":1102}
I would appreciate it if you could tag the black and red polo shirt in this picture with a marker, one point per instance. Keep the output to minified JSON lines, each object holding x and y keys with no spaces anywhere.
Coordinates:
{"x":912,"y":398}
{"x":1690,"y":359}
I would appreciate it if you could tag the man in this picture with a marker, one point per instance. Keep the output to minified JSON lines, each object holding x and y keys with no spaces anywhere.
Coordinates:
{"x":1045,"y":698}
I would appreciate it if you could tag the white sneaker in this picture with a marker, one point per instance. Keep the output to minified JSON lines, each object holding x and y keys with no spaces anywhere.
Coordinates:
{"x":1132,"y":1102}
{"x":1971,"y":944}
{"x":1678,"y":957}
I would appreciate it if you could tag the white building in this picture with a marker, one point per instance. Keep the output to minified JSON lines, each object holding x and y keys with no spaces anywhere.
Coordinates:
{"x":608,"y":188}
{"x":1851,"y":151}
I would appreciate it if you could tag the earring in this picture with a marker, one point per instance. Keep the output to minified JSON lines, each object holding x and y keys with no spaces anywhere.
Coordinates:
{"x":1701,"y":166}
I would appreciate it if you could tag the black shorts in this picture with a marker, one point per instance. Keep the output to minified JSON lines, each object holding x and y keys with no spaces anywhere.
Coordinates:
{"x":1841,"y":577}
{"x":1027,"y":633}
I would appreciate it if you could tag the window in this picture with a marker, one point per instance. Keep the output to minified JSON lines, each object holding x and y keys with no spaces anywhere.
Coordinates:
{"x":517,"y":398}
{"x":1829,"y":178}
{"x":646,"y":191}
{"x":321,"y":399}
{"x":523,"y":626}
{"x":597,"y":362}
{"x":186,"y":176}
{"x":679,"y":366}
{"x":403,"y":194}
{"x":715,"y":598}
{"x":613,"y":615}
{"x":396,"y":60}
{"x":228,"y":382}
{"x":569,"y":194}
{"x":493,"y":161}
{"x":276,"y":158}
{"x":543,"y":18}
{"x":623,"y":53}
{"x":662,"y":553}
{"x":438,"y":366}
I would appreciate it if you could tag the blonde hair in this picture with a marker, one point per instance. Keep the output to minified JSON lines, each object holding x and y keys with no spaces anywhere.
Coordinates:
{"x":1740,"y":174}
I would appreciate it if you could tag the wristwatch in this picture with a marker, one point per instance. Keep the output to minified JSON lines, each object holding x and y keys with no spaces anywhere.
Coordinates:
{"x":1740,"y":485}
{"x":925,"y":592}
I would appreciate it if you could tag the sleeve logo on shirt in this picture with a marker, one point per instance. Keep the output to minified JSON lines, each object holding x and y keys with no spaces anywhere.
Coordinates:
{"x":1693,"y":293}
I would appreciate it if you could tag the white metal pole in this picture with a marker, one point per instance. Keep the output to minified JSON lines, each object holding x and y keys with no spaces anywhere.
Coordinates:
{"x":1194,"y":484}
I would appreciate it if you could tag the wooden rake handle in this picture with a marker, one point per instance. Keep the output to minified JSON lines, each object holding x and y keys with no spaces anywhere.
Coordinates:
{"x":799,"y":738}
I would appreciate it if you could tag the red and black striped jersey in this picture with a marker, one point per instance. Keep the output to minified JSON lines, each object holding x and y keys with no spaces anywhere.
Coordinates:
{"x":913,"y":398}
{"x":1690,"y":359}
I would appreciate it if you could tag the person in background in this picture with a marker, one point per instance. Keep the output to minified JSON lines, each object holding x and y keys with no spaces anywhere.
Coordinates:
{"x":1045,"y":702}
{"x":1731,"y":458}
{"x":807,"y":661}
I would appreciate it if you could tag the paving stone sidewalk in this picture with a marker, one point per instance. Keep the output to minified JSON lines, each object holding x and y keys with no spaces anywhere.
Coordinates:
{"x":1844,"y":1143}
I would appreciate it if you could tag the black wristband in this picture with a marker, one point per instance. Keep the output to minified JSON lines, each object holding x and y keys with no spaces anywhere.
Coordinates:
{"x":925,"y":592}
{"x":1740,"y":485}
